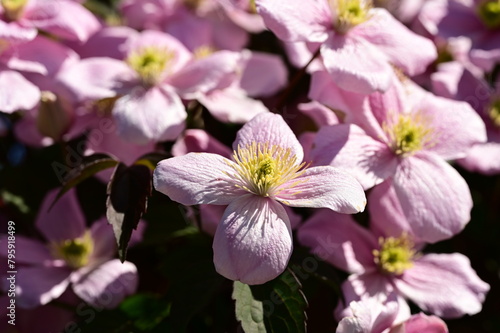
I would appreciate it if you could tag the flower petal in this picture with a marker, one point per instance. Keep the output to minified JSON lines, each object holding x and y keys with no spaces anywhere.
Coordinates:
{"x":349,"y":148}
{"x":294,"y":21}
{"x":339,"y":240}
{"x":28,"y":251}
{"x":422,"y":323}
{"x":64,"y":221}
{"x":232,"y":105}
{"x":17,"y":93}
{"x":435,"y":198}
{"x":484,"y":158}
{"x":37,"y":286}
{"x":199,"y":141}
{"x":269,"y":128}
{"x":253,"y":242}
{"x":107,"y":285}
{"x":197,"y":178}
{"x":66,"y":19}
{"x":345,"y":58}
{"x":444,"y":284}
{"x":392,"y":38}
{"x":264,"y":74}
{"x":324,"y":187}
{"x":156,"y":114}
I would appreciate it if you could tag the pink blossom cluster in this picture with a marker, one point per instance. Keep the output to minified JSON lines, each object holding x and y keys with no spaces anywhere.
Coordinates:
{"x":395,"y":94}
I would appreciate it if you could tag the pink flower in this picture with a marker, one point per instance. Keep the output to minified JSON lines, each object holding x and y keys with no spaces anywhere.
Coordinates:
{"x":253,"y":242}
{"x":372,"y":316}
{"x":63,"y":18}
{"x":157,"y":70}
{"x":358,"y":43}
{"x":381,"y":263}
{"x":74,"y":255}
{"x":478,"y":20}
{"x":404,"y":137}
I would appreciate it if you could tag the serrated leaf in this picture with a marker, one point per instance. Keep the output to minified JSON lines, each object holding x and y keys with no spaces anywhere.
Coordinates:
{"x":90,"y":166}
{"x":249,"y":311}
{"x":283,"y":304}
{"x":128,"y":192}
{"x":147,"y":311}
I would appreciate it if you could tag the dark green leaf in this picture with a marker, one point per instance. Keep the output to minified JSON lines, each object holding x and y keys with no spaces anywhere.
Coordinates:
{"x":128,"y":192}
{"x":90,"y":166}
{"x":147,"y":311}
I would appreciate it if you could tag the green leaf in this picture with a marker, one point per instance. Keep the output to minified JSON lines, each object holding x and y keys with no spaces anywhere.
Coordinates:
{"x":147,"y":311}
{"x":282,"y":302}
{"x":249,"y":311}
{"x":128,"y":192}
{"x":90,"y":166}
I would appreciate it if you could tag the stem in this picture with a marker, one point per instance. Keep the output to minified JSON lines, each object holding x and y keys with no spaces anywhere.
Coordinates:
{"x":293,"y":83}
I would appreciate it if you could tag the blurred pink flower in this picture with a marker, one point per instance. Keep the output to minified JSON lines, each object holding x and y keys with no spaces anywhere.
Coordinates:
{"x":253,"y":242}
{"x":74,"y":255}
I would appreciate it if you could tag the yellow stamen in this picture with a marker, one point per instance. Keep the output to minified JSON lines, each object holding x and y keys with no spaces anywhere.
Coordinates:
{"x":13,"y":9}
{"x":150,"y":63}
{"x":262,"y":168}
{"x":489,"y":13}
{"x":395,"y":254}
{"x":75,"y":252}
{"x":495,"y":113}
{"x":203,"y":51}
{"x":409,"y":134}
{"x":350,"y":13}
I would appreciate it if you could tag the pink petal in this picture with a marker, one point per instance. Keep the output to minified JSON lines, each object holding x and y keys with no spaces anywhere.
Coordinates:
{"x":324,"y":187}
{"x":444,"y":284}
{"x":27,"y":251}
{"x":96,"y":78}
{"x":108,"y":284}
{"x":269,"y":128}
{"x":369,"y":316}
{"x":392,"y":38}
{"x":107,"y":42}
{"x":292,"y":21}
{"x":216,"y":71}
{"x":210,"y":216}
{"x":320,"y":114}
{"x":104,"y":240}
{"x":156,"y":114}
{"x":66,"y":19}
{"x":64,"y":221}
{"x":13,"y":32}
{"x":345,"y":58}
{"x":199,"y":141}
{"x":484,"y":158}
{"x":17,"y":93}
{"x":232,"y":105}
{"x":445,"y":116}
{"x":349,"y":148}
{"x":264,"y":74}
{"x":422,"y":323}
{"x":39,"y":285}
{"x":386,"y":215}
{"x":339,"y":240}
{"x":197,"y":178}
{"x":435,"y":198}
{"x":253,"y":242}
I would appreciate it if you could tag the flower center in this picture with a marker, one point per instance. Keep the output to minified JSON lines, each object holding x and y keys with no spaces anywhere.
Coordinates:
{"x":489,"y":13}
{"x":495,"y":113}
{"x":75,"y":252}
{"x":350,"y":13}
{"x":203,"y":51}
{"x":409,"y":134}
{"x":150,"y":63}
{"x":13,"y":8}
{"x":262,"y":168}
{"x":395,"y":254}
